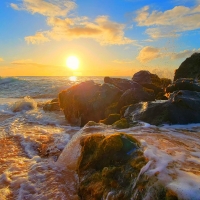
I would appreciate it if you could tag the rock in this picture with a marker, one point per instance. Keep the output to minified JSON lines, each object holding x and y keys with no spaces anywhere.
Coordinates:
{"x":121,"y":124}
{"x":184,"y":84}
{"x":135,"y":95}
{"x":110,"y":119}
{"x":52,"y":106}
{"x":148,"y":80}
{"x":122,"y":84}
{"x":109,"y":166}
{"x":165,"y":82}
{"x":183,"y":107}
{"x":190,"y":68}
{"x":87,"y":101}
{"x":161,"y":96}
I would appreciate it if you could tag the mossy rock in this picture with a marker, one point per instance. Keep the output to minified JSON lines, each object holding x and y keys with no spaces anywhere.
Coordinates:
{"x":107,"y":164}
{"x":121,"y":124}
{"x":110,"y":119}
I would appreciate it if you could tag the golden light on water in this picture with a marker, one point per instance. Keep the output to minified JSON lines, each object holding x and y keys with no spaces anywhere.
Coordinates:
{"x":72,"y":62}
{"x":73,"y":78}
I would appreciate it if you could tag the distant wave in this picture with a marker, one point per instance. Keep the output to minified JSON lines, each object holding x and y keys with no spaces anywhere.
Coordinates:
{"x":6,"y":80}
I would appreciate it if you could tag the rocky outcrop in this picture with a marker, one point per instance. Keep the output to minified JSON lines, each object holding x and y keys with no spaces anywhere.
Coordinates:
{"x":122,"y":84}
{"x":109,"y":166}
{"x":183,"y":107}
{"x":184,"y":84}
{"x":87,"y":101}
{"x":148,"y":80}
{"x":190,"y":68}
{"x":135,"y":95}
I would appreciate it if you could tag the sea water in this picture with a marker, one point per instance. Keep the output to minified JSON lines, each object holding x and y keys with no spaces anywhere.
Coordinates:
{"x":39,"y":149}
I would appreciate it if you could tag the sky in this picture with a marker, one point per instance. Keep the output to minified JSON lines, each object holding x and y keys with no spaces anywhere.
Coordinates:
{"x":109,"y":37}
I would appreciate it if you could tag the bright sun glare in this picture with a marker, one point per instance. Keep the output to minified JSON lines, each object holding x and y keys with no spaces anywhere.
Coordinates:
{"x":72,"y":62}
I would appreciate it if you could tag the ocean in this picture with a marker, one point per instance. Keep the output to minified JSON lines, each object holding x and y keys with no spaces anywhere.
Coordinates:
{"x":39,"y":149}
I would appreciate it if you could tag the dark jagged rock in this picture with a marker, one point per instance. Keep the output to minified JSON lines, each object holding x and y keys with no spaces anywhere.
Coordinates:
{"x":184,"y":84}
{"x":109,"y":163}
{"x":110,"y":119}
{"x":148,"y":80}
{"x":133,"y":96}
{"x":87,"y":101}
{"x":122,"y":84}
{"x":190,"y":68}
{"x":183,"y":107}
{"x":52,"y":105}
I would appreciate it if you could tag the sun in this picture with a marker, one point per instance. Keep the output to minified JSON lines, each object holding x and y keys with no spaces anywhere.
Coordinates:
{"x":72,"y":62}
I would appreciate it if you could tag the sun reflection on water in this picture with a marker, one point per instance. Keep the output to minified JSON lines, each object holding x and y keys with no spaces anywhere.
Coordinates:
{"x":73,"y":78}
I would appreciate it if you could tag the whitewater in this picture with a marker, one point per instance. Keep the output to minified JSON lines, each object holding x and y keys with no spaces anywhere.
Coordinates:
{"x":39,"y":149}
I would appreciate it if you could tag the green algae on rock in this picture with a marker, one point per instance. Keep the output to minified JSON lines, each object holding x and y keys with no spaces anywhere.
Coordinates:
{"x":109,"y":164}
{"x":112,"y":118}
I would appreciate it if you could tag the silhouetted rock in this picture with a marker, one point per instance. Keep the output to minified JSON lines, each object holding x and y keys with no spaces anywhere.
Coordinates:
{"x":184,"y":84}
{"x":87,"y":101}
{"x":148,"y":80}
{"x":109,"y":166}
{"x":183,"y":107}
{"x":122,"y":84}
{"x":190,"y":68}
{"x":135,"y":95}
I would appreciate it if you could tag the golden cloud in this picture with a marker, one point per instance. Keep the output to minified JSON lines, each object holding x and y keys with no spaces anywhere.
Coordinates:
{"x":103,"y":30}
{"x":1,"y":59}
{"x":169,"y":23}
{"x":37,"y":38}
{"x":46,"y":8}
{"x":149,"y":53}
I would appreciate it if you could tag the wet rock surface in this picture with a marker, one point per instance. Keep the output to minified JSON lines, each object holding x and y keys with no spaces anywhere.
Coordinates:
{"x":109,"y":166}
{"x":183,"y":107}
{"x":184,"y":84}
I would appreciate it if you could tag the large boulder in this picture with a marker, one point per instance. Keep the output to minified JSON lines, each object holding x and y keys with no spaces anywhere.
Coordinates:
{"x":184,"y":84}
{"x":109,"y":166}
{"x":190,"y":68}
{"x":135,"y":95}
{"x":148,"y":80}
{"x":122,"y":84}
{"x":183,"y":107}
{"x":87,"y":101}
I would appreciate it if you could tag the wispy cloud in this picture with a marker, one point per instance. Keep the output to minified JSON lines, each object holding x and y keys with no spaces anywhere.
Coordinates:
{"x":184,"y":54}
{"x":1,"y":59}
{"x":123,"y":61}
{"x":148,"y":54}
{"x":46,"y":8}
{"x":22,"y":62}
{"x":38,"y":38}
{"x":169,"y":23}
